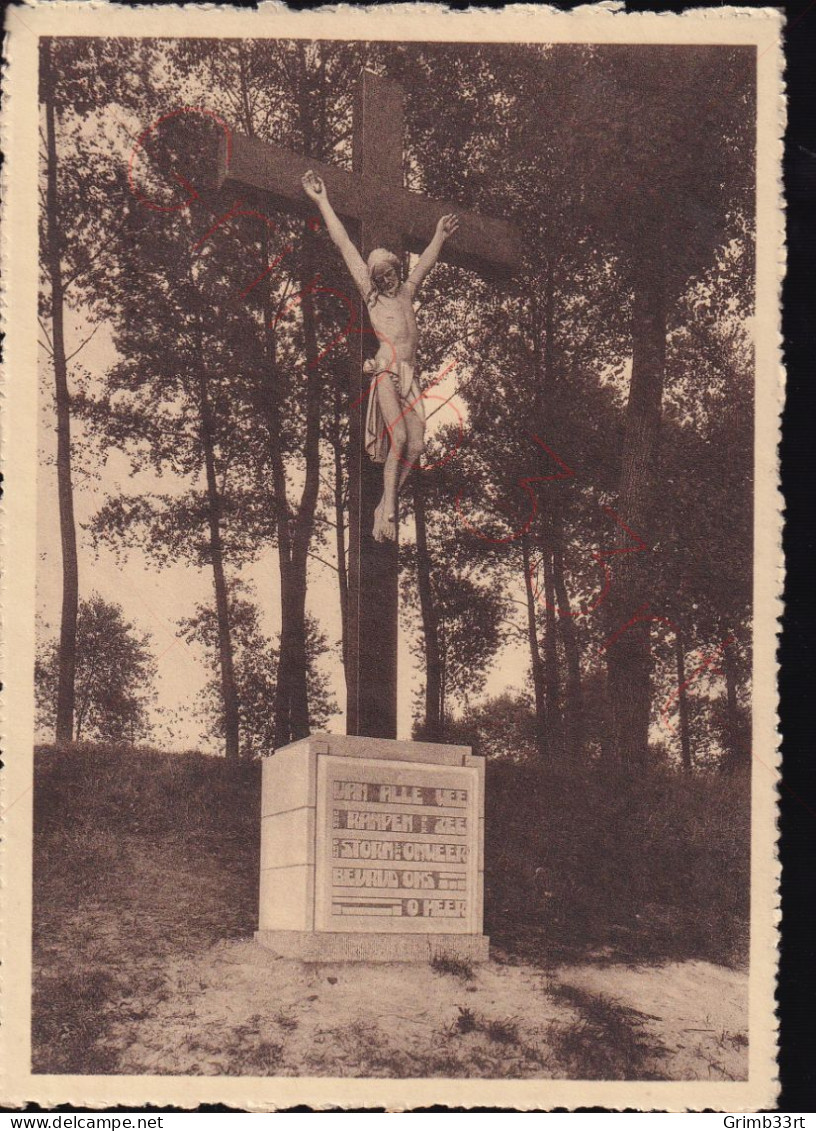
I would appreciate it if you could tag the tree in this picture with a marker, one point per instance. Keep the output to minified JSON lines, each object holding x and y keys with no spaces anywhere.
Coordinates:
{"x":76,"y":241}
{"x":460,"y":609}
{"x":432,"y":724}
{"x":66,"y":655}
{"x":679,"y":177}
{"x":115,"y":671}
{"x":663,"y":145}
{"x":700,"y":576}
{"x":256,"y":671}
{"x":174,"y":400}
{"x":248,"y":360}
{"x":612,"y":344}
{"x":501,"y":728}
{"x":315,"y":81}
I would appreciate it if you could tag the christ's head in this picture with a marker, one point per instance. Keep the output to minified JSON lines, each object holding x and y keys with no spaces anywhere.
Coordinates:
{"x":385,"y":271}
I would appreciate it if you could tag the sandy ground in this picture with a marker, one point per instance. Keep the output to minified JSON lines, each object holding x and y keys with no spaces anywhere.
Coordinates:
{"x":236,"y":1009}
{"x":697,"y":1011}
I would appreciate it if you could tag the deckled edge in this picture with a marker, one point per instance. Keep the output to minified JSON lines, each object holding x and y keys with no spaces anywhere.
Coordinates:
{"x":372,"y":1092}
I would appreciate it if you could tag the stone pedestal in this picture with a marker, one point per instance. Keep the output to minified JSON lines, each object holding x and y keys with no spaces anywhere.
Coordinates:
{"x":372,"y":850}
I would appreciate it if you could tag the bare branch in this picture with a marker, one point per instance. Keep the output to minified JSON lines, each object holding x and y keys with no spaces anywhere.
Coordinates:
{"x":286,"y":292}
{"x":226,"y":463}
{"x":342,"y":136}
{"x":283,"y":63}
{"x":322,"y":561}
{"x":104,"y":244}
{"x":44,"y":329}
{"x":455,"y":393}
{"x":83,"y":343}
{"x":513,"y":630}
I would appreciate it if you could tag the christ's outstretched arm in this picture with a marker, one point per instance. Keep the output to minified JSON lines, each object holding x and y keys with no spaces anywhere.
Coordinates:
{"x":315,"y":189}
{"x":445,"y":228}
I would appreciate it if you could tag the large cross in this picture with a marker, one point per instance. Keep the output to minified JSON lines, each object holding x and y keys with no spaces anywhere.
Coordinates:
{"x":373,"y":198}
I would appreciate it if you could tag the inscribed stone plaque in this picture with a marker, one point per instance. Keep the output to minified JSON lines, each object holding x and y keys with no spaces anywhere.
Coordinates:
{"x":397,"y":847}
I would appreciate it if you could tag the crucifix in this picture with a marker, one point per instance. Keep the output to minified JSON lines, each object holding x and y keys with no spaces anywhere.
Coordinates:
{"x":384,"y":214}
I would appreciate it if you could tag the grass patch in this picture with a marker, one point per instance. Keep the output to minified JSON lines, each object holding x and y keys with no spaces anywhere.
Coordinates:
{"x":464,"y":1049}
{"x":138,"y":856}
{"x":604,"y":860}
{"x":69,"y":1023}
{"x":250,"y":1054}
{"x":607,"y":1041}
{"x":453,"y":965}
{"x":503,"y":1030}
{"x":241,"y":1050}
{"x":467,"y":1021}
{"x":496,"y":1043}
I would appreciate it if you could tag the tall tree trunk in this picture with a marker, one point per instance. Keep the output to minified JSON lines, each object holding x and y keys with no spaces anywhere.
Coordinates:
{"x":283,"y":695}
{"x":290,"y":683}
{"x":294,"y":529}
{"x":565,"y":721}
{"x":340,"y":515}
{"x":70,"y":565}
{"x":738,"y":753}
{"x":296,"y":652}
{"x":292,"y":592}
{"x":272,"y":386}
{"x":292,"y":697}
{"x":629,"y":661}
{"x":629,"y":676}
{"x":682,"y":701}
{"x":432,"y":731}
{"x":229,"y":691}
{"x":304,"y":520}
{"x":80,"y":719}
{"x":544,"y":353}
{"x":442,"y":676}
{"x":288,"y":718}
{"x":574,"y":706}
{"x":552,"y":675}
{"x":535,"y":652}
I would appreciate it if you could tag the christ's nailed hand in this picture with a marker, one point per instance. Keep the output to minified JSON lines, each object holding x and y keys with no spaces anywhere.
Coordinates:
{"x":447,"y":225}
{"x":313,"y":185}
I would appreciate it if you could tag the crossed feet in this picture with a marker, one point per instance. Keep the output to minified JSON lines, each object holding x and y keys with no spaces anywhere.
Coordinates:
{"x":385,"y":526}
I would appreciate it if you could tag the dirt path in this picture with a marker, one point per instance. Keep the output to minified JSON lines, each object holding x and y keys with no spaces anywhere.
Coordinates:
{"x":238,"y":1010}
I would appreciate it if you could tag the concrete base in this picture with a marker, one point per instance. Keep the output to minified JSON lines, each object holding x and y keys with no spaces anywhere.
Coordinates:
{"x":347,"y":946}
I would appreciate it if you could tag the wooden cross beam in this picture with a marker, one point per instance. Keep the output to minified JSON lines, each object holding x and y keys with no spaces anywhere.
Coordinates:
{"x":374,"y":199}
{"x":373,"y":194}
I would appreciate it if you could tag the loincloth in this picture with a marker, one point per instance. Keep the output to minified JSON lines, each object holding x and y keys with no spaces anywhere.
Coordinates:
{"x":409,"y":395}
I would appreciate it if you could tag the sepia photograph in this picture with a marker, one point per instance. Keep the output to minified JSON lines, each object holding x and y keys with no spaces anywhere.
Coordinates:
{"x":402,"y":411}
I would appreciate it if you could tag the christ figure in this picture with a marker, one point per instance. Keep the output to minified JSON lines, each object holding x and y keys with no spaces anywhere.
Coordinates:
{"x":395,"y":405}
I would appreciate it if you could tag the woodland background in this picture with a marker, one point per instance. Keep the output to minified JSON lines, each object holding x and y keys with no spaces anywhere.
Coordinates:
{"x":585,"y":503}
